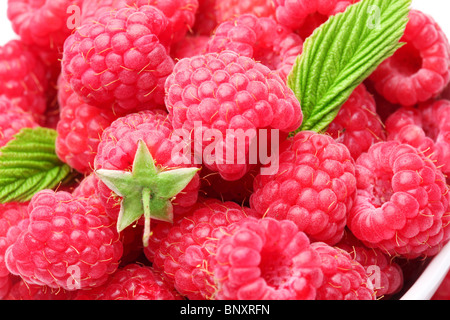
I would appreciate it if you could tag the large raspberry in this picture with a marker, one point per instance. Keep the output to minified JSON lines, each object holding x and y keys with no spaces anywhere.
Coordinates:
{"x":264,"y":259}
{"x":41,"y":22}
{"x":12,"y":120}
{"x":357,"y":124}
{"x":23,"y":78}
{"x":221,"y":101}
{"x":344,"y":277}
{"x":132,"y":282}
{"x":120,"y":61}
{"x":314,"y":186}
{"x":180,"y":254}
{"x":13,"y":219}
{"x":69,"y":243}
{"x":385,"y":274}
{"x":226,"y":10}
{"x":402,"y":200}
{"x":306,"y":15}
{"x":79,"y":128}
{"x":22,"y":290}
{"x":260,"y":38}
{"x":420,"y":69}
{"x":426,"y":128}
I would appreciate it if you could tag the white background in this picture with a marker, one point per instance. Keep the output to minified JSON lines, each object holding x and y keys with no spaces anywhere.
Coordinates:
{"x":438,"y":9}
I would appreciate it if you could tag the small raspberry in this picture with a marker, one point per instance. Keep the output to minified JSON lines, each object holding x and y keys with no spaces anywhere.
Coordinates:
{"x":306,"y":15}
{"x":68,"y":244}
{"x":314,"y":186}
{"x":79,"y":128}
{"x":357,"y":124}
{"x":22,"y":290}
{"x":23,"y":78}
{"x":118,"y":146}
{"x":425,"y":127}
{"x":41,"y":22}
{"x":260,"y":38}
{"x":227,"y":10}
{"x":420,"y":69}
{"x":180,"y":253}
{"x":216,"y":92}
{"x":264,"y":259}
{"x":385,"y":274}
{"x":120,"y":61}
{"x":12,"y":120}
{"x":343,"y":277}
{"x":13,"y":219}
{"x":132,"y":282}
{"x":402,"y":200}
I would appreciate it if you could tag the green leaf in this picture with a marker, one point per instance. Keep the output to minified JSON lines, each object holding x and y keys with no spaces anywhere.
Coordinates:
{"x":341,"y":54}
{"x":28,"y":164}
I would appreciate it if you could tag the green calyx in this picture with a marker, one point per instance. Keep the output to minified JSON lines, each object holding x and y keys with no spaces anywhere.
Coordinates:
{"x":147,"y":190}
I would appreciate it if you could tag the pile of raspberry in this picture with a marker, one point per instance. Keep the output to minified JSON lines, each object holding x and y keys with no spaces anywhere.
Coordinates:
{"x":344,"y":215}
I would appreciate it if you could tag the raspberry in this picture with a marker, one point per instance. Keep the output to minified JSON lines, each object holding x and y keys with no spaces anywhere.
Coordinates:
{"x":265,"y":259}
{"x":26,"y":291}
{"x":260,"y":38}
{"x":13,"y":219}
{"x":223,"y":91}
{"x":23,"y":78}
{"x":117,"y":149}
{"x":357,"y":124}
{"x":314,"y":187}
{"x":120,"y":61}
{"x":12,"y":120}
{"x":306,"y":15}
{"x":132,"y":282}
{"x":343,"y":277}
{"x":41,"y":22}
{"x":68,"y":244}
{"x":401,"y":205}
{"x":419,"y":70}
{"x":226,"y":10}
{"x":180,"y":253}
{"x":386,"y":275}
{"x":426,"y":128}
{"x":205,"y":18}
{"x":79,"y":128}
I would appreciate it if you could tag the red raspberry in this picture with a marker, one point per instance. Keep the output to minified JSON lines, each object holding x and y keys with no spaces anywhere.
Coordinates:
{"x":402,"y":200}
{"x":22,"y":290}
{"x":41,"y":22}
{"x":385,"y":274}
{"x":226,"y":91}
{"x":12,"y":120}
{"x":79,"y":128}
{"x":117,"y":149}
{"x":314,"y":186}
{"x":264,"y":259}
{"x":120,"y":61}
{"x":13,"y":219}
{"x":426,"y":128}
{"x":132,"y":282}
{"x":357,"y":124}
{"x":226,"y":9}
{"x":260,"y":38}
{"x":344,"y":277}
{"x":23,"y":78}
{"x":180,"y":254}
{"x":306,"y":15}
{"x":69,"y":243}
{"x":420,"y":69}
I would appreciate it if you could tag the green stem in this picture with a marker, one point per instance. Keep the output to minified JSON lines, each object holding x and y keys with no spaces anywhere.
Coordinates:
{"x":147,"y":215}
